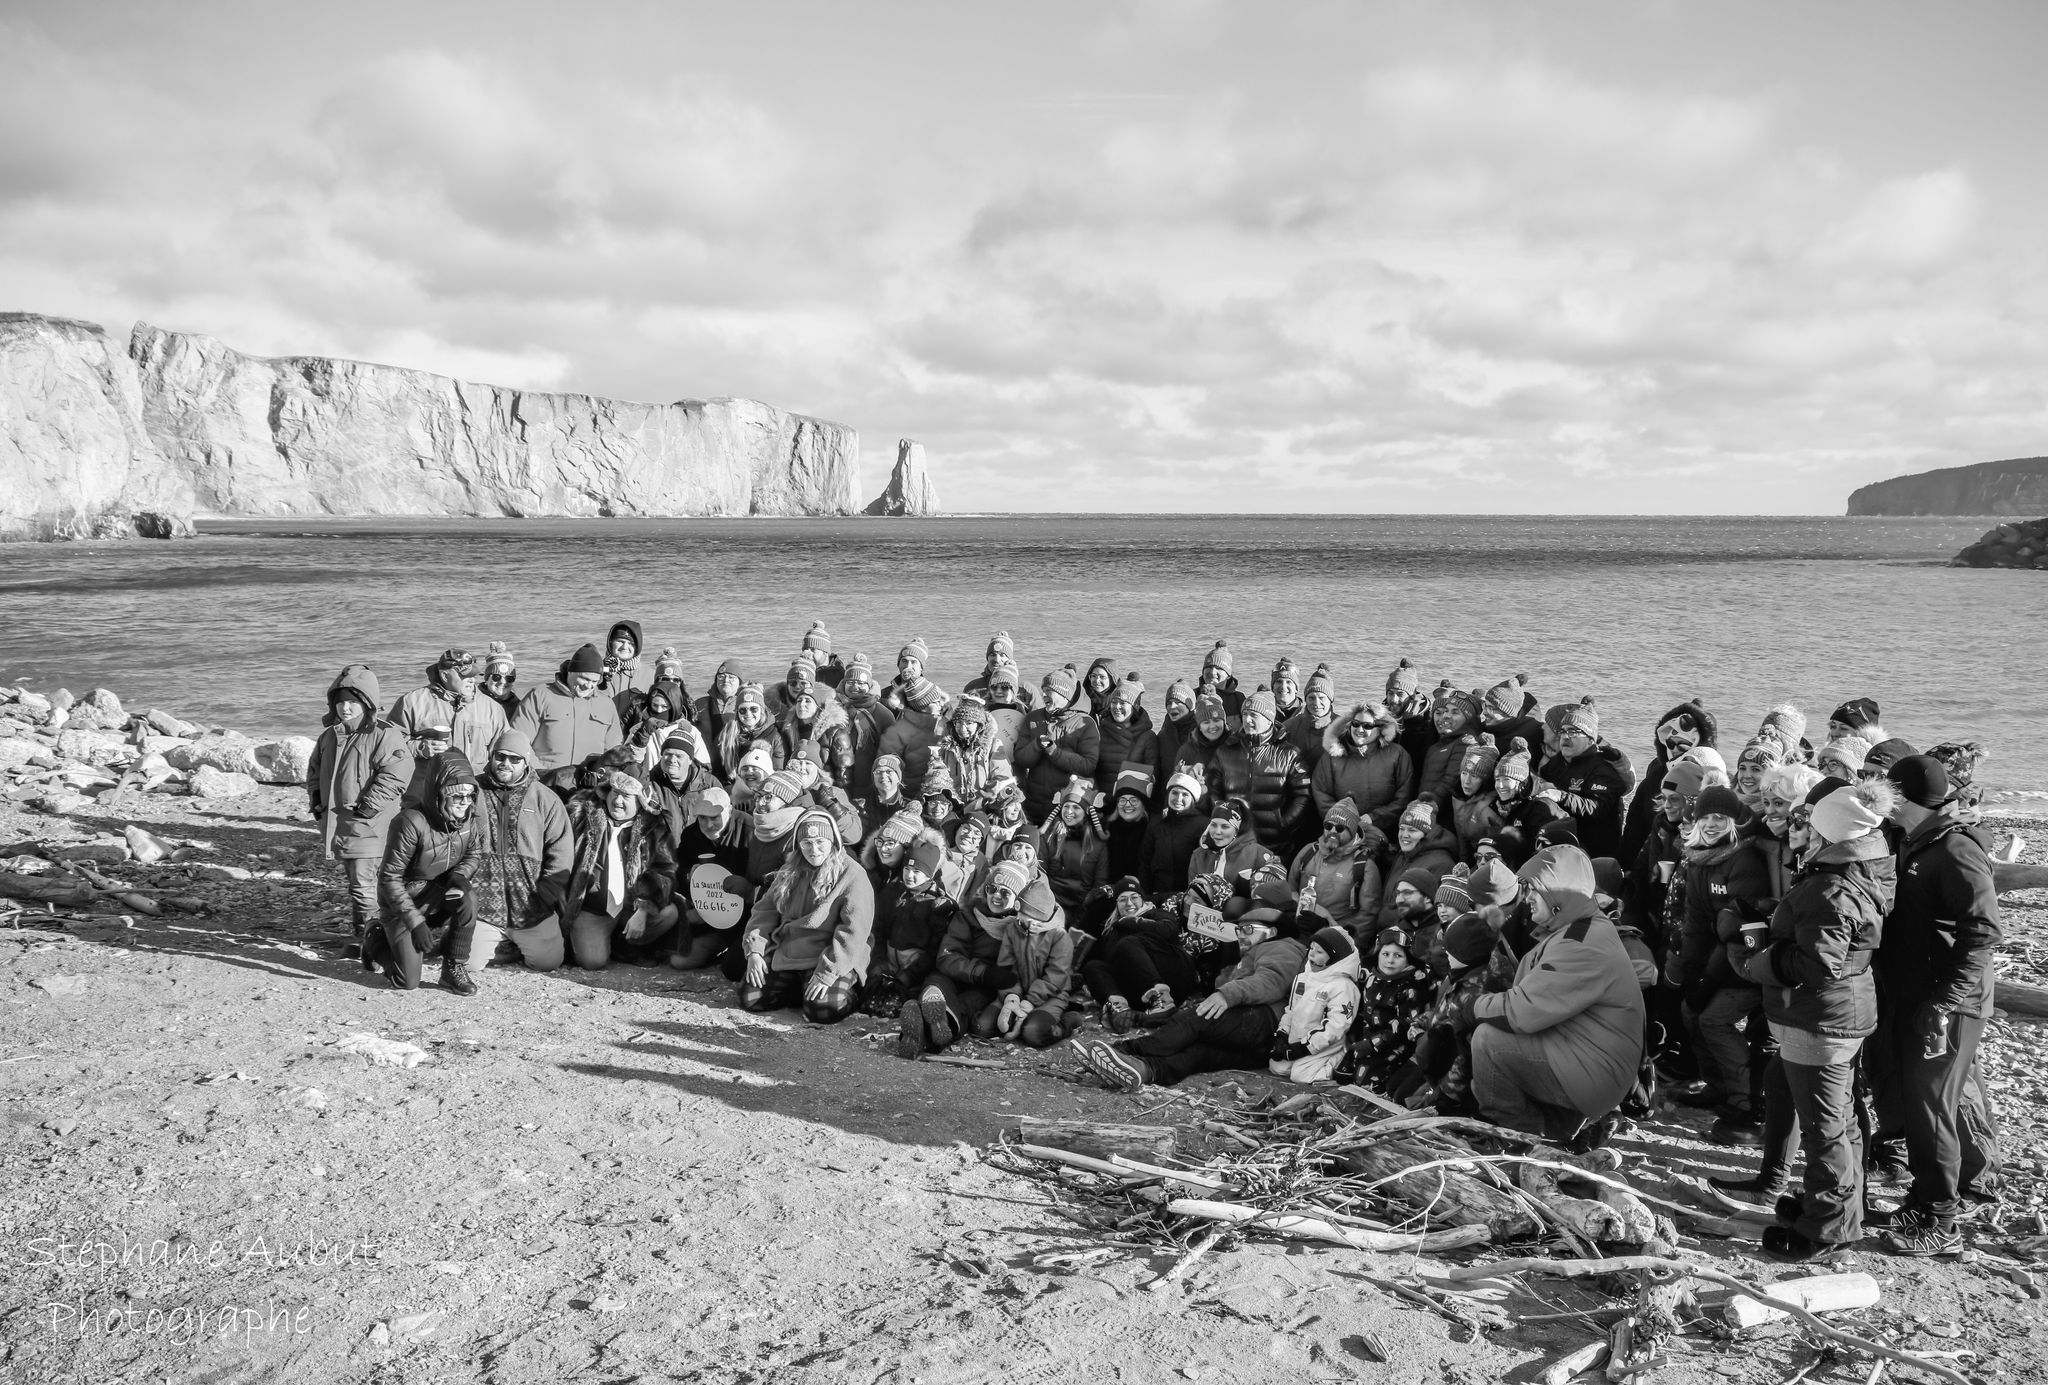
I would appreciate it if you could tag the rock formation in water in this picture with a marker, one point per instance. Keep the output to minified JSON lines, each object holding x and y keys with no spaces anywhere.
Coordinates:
{"x":910,"y":491}
{"x":94,"y":442}
{"x":2016,"y":487}
{"x":75,"y":460}
{"x":2009,"y":545}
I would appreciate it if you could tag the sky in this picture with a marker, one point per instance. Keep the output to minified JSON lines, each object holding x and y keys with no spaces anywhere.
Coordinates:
{"x":1318,"y":256}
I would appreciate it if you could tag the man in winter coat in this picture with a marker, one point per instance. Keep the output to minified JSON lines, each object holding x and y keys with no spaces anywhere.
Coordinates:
{"x":1364,"y":762}
{"x":1233,"y":1027}
{"x":568,"y":720}
{"x":450,"y":699}
{"x":1055,"y":746}
{"x":1267,"y":772}
{"x":915,"y":730}
{"x":525,"y":849}
{"x":358,"y":773}
{"x":429,"y":906}
{"x":1934,"y":972}
{"x":1561,"y":1046}
{"x":1124,"y":731}
{"x":1337,"y":877}
{"x":1507,"y":712}
{"x":1588,"y":785}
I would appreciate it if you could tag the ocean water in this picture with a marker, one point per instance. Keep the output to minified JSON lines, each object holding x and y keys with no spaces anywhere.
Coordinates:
{"x":245,"y":625}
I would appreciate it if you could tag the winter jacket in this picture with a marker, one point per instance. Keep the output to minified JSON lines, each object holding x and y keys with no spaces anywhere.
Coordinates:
{"x":476,"y":722}
{"x":1171,"y":841}
{"x":1172,"y":738}
{"x":713,"y":718}
{"x":1320,"y":1008}
{"x":1077,"y":865}
{"x":1305,"y":733}
{"x":1345,"y":889}
{"x":974,"y":939}
{"x":1390,"y":1019}
{"x":637,"y":838}
{"x":1121,"y":743}
{"x":910,"y":738}
{"x":1436,"y":852}
{"x":1523,"y":823}
{"x":1379,"y":783}
{"x":1590,"y":790}
{"x":828,"y":739}
{"x":424,"y":846}
{"x":566,"y":730}
{"x":526,"y":849}
{"x":355,"y":780}
{"x":1123,"y":851}
{"x":817,"y":921}
{"x":1438,"y":778}
{"x":1642,"y":809}
{"x":1944,"y":924}
{"x":765,"y":854}
{"x":1476,"y":819}
{"x":1576,"y":992}
{"x":708,"y":874}
{"x":1443,"y":1050}
{"x":1269,"y":775}
{"x":1815,"y":967}
{"x":972,"y":766}
{"x":866,"y":722}
{"x":1727,"y":876}
{"x":669,"y":799}
{"x":1075,"y":749}
{"x":1645,"y":898}
{"x":1264,"y":976}
{"x":1043,"y":959}
{"x":911,"y":921}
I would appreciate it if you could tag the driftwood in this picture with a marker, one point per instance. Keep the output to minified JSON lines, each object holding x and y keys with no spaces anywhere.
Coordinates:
{"x":2018,"y":998}
{"x":1586,"y":1358}
{"x":63,"y":892}
{"x":1447,"y":1196}
{"x":1315,"y":1229}
{"x":2007,"y":878}
{"x":1097,"y":1140}
{"x":1820,"y":1293}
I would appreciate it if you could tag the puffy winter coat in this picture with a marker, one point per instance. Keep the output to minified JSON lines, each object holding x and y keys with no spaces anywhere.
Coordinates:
{"x":1242,"y":854}
{"x":1077,"y":864}
{"x":1590,"y":790}
{"x":972,"y":766}
{"x":1437,"y":851}
{"x":476,"y":721}
{"x":910,"y":738}
{"x":1390,"y":1008}
{"x":974,"y":939}
{"x":1263,"y":976}
{"x":1173,"y":737}
{"x":1043,"y":959}
{"x":355,"y":780}
{"x":1320,"y":1009}
{"x":1816,"y":966}
{"x":1075,"y":749}
{"x":1269,"y":775}
{"x":866,"y":721}
{"x":1476,"y":819}
{"x":1304,"y":731}
{"x":1171,"y":840}
{"x":1379,"y":783}
{"x":1438,"y":778}
{"x":1124,"y":743}
{"x":566,"y":729}
{"x":1728,"y":876}
{"x":1345,"y":889}
{"x":425,"y":846}
{"x":1944,"y":924}
{"x":828,"y":739}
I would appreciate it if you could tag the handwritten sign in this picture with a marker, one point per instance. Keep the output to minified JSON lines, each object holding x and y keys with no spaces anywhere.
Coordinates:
{"x":708,"y":895}
{"x":1209,"y":923}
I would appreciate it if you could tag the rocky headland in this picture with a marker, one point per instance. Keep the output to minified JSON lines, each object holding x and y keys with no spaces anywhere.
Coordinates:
{"x":97,"y":442}
{"x":910,"y":493}
{"x":2015,"y":487}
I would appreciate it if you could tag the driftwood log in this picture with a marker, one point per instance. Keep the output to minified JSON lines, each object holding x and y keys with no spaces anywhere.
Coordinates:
{"x":1098,"y":1141}
{"x":1447,"y":1196}
{"x":63,"y":892}
{"x":2007,"y":878}
{"x":2018,"y":998}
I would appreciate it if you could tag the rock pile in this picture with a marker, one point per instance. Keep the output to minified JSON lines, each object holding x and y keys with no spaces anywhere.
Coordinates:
{"x":59,"y":752}
{"x":2009,"y":545}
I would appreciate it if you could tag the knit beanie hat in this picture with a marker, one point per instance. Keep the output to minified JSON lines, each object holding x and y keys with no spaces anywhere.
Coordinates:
{"x":1335,"y":942}
{"x":1421,"y":813}
{"x":1469,"y":940}
{"x":1001,"y":648}
{"x":1709,"y":760}
{"x":923,"y":694}
{"x":1847,"y":813}
{"x":1686,"y":777}
{"x":1492,"y":884}
{"x":1921,"y":780}
{"x":510,"y":742}
{"x":1822,"y":787}
{"x":937,"y":780}
{"x":1320,"y":681}
{"x":1130,"y":688}
{"x":668,"y":664}
{"x":1503,"y":701}
{"x":1857,"y":712}
{"x":586,"y":659}
{"x":678,"y":739}
{"x":751,"y":693}
{"x":1004,"y":670}
{"x":1232,"y":807}
{"x":892,"y":763}
{"x":1261,"y":704}
{"x":1580,"y":717}
{"x":1218,"y":657}
{"x":1208,"y":706}
{"x":1344,"y":813}
{"x":1135,"y":780}
{"x":1557,"y":832}
{"x":1480,"y":759}
{"x":782,"y":785}
{"x":1126,"y":884}
{"x":1287,"y":668}
{"x":1849,"y":750}
{"x":1422,"y":878}
{"x":917,"y":650}
{"x":803,"y":674}
{"x":925,"y":853}
{"x":1761,"y":752}
{"x":1180,"y":690}
{"x":863,"y":663}
{"x":729,"y":666}
{"x":1465,"y":704}
{"x":902,"y":826}
{"x":757,"y":755}
{"x":816,"y":823}
{"x":1788,"y":721}
{"x":1514,"y":764}
{"x":1720,"y":801}
{"x":499,"y":655}
{"x":630,"y":629}
{"x":970,"y":709}
{"x":816,"y":638}
{"x":1181,"y":779}
{"x":1403,"y":682}
{"x":1059,"y":685}
{"x":1009,"y":875}
{"x":1451,"y":890}
{"x":1887,"y":753}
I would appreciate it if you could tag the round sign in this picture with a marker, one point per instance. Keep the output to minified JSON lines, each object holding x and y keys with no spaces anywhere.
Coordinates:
{"x":709,"y":898}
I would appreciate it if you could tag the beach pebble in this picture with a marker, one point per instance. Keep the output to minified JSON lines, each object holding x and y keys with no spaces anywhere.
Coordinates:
{"x":144,"y":847}
{"x":286,"y":761}
{"x":208,"y":782}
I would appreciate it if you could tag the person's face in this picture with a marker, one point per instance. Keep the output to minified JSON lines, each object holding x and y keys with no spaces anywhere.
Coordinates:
{"x":887,"y":782}
{"x":964,"y":729}
{"x":1449,"y":720}
{"x":506,"y":768}
{"x":888,"y":851}
{"x":1098,"y":681}
{"x":1002,"y":690}
{"x":1285,"y":690}
{"x":458,"y":801}
{"x":1831,"y":762}
{"x":1318,"y":703}
{"x":1675,"y":804}
{"x":1447,"y":914}
{"x":1337,"y":836}
{"x":1250,"y":935}
{"x":1179,"y":708}
{"x":1130,"y":904}
{"x":585,"y":684}
{"x":1714,"y":827}
{"x":816,"y":848}
{"x":1318,"y":958}
{"x":1222,"y":830}
{"x":1409,"y":836}
{"x":858,"y":683}
{"x":465,"y":684}
{"x":1257,"y":724}
{"x":1072,"y":813}
{"x":1409,"y":900}
{"x":910,"y":666}
{"x":621,"y":804}
{"x":1393,"y":960}
{"x":968,"y":841}
{"x":711,"y":824}
{"x":622,"y":647}
{"x":676,"y":765}
{"x":1212,"y":726}
{"x":1212,"y":676}
{"x":1178,"y":799}
{"x":1749,"y":777}
{"x":1470,"y":781}
{"x":1023,"y":853}
{"x":937,"y":808}
{"x":806,"y":705}
{"x":1538,"y":906}
{"x":658,"y":709}
{"x":751,"y":716}
{"x":752,"y":776}
{"x":1484,"y":852}
{"x":349,"y":711}
{"x":1001,"y":898}
{"x":499,"y":681}
{"x":1121,"y":706}
{"x":427,"y":747}
{"x":1839,"y":729}
{"x":1508,"y":787}
{"x":1010,"y":812}
{"x":1129,"y":808}
{"x":1573,"y":742}
{"x":726,"y":685}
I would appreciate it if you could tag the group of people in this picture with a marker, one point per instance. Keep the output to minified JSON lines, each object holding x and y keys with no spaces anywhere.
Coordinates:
{"x":1463,"y":900}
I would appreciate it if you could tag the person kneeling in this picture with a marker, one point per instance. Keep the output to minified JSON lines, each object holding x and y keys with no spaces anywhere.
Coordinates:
{"x":428,"y":908}
{"x":1232,"y":1028}
{"x":1037,"y":953}
{"x":1319,"y":1014}
{"x":809,"y":936}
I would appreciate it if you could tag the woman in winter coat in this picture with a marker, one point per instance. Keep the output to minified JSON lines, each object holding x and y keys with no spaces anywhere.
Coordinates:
{"x":867,"y":720}
{"x":1420,"y":843}
{"x":1320,"y":1008}
{"x":1096,"y":684}
{"x":749,"y":727}
{"x":1137,"y":963}
{"x":1130,"y":820}
{"x":1035,"y":956}
{"x":1076,"y":850}
{"x":1125,"y":739}
{"x":1057,"y":743}
{"x":1219,"y":680}
{"x":1009,"y":703}
{"x":1176,"y":727}
{"x":1821,"y":1000}
{"x":808,"y":940}
{"x":1684,"y":727}
{"x":911,"y":914}
{"x":1229,"y":848}
{"x":1475,"y":816}
{"x":815,"y":727}
{"x":1456,"y":717}
{"x":967,"y":750}
{"x":501,"y":678}
{"x":1364,"y":762}
{"x":614,"y":897}
{"x":1173,"y":837}
{"x":915,"y":731}
{"x":424,"y":883}
{"x":1337,"y":876}
{"x":1267,"y":772}
{"x":970,"y":972}
{"x":1304,"y":729}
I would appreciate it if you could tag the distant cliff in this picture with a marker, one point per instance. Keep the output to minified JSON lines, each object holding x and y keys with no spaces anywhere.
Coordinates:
{"x":94,"y":442}
{"x":910,"y":493}
{"x":2017,"y":487}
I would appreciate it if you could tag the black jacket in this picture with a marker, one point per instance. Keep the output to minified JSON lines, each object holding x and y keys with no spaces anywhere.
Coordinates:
{"x":1939,"y":936}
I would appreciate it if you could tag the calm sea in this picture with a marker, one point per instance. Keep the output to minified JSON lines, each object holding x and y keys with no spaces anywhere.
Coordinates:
{"x":245,"y":625}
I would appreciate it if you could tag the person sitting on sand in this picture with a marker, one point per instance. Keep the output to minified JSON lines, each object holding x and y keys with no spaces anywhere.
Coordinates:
{"x":1036,"y":956}
{"x":1320,"y":1009}
{"x":615,"y":902}
{"x":428,"y":907}
{"x":711,"y":891}
{"x":354,"y":781}
{"x":809,"y":937}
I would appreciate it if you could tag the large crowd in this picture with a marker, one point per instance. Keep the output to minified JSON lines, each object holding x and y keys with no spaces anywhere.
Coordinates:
{"x":1460,"y":900}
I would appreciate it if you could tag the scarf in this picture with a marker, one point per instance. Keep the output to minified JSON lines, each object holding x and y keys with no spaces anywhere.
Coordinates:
{"x":613,"y":865}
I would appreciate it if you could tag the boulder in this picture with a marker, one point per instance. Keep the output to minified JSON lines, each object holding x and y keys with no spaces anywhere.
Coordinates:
{"x":98,"y":710}
{"x":76,"y":461}
{"x":285,"y":762}
{"x":2022,"y":545}
{"x":94,"y":747}
{"x":229,"y":751}
{"x":62,"y":700}
{"x":10,"y":727}
{"x":910,"y":492}
{"x":163,"y":723}
{"x":150,"y":744}
{"x":209,"y":782}
{"x":16,"y":751}
{"x":32,"y":707}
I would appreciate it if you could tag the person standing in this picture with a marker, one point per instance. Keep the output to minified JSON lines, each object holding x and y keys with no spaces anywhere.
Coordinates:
{"x":567,"y":721}
{"x":358,"y":773}
{"x":1058,"y":743}
{"x":1935,"y":980}
{"x":450,"y":699}
{"x":1586,"y":783}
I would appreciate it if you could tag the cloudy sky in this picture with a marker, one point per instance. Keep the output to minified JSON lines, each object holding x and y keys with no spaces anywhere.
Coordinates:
{"x":1640,"y":255}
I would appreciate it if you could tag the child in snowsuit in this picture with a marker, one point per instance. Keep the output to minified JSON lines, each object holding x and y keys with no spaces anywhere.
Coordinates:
{"x":1320,"y":1008}
{"x":1396,"y":995}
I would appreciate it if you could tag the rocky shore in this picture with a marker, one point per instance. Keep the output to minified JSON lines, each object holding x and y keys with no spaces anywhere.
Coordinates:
{"x":212,"y":1116}
{"x":2009,"y":545}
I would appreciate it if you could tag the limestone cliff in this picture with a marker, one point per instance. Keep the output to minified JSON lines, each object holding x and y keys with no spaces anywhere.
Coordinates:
{"x":314,"y":436}
{"x":910,"y":492}
{"x":2016,"y":487}
{"x":75,"y":461}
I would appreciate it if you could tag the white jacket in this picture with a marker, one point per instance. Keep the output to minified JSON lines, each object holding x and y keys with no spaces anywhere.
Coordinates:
{"x":1320,"y":1009}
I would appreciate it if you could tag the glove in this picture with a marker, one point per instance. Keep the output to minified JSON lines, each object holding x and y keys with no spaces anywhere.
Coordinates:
{"x":1297,"y":1051}
{"x":999,"y":978}
{"x":736,"y":885}
{"x":422,"y":938}
{"x":1013,"y":1015}
{"x":1467,"y":1019}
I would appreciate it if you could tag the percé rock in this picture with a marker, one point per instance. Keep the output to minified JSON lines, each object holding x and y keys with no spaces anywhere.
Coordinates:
{"x":75,"y":459}
{"x":910,"y":491}
{"x":2009,"y":545}
{"x":311,"y":436}
{"x":2016,"y":487}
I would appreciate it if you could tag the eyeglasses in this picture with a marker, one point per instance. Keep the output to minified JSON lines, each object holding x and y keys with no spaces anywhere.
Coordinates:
{"x":498,"y":677}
